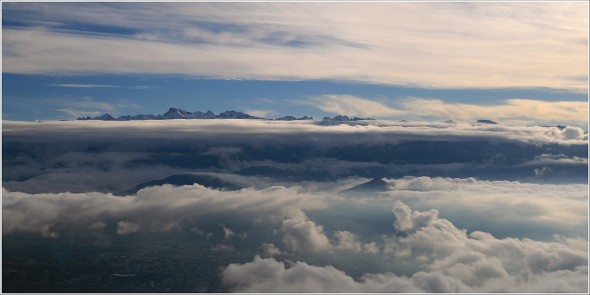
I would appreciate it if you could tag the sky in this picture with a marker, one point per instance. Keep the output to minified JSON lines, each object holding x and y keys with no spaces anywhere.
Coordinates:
{"x":515,"y":63}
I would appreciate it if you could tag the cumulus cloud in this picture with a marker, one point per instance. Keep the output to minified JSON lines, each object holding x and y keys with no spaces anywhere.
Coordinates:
{"x":425,"y":252}
{"x":115,"y":157}
{"x":539,"y":209}
{"x":448,"y":259}
{"x":153,"y":209}
{"x":407,"y":221}
{"x":269,"y":250}
{"x":304,"y":235}
{"x":228,"y":233}
{"x":270,"y":275}
{"x":479,"y":256}
{"x":348,"y":241}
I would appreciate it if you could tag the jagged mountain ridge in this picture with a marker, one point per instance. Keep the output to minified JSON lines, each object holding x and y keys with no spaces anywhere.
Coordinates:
{"x":175,"y":113}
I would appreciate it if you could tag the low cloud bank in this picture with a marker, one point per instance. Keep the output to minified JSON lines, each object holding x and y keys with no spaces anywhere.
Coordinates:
{"x":449,"y":259}
{"x":420,"y":251}
{"x":118,"y":156}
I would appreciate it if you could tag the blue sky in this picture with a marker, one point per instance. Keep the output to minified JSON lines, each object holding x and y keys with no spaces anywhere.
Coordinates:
{"x":518,"y":63}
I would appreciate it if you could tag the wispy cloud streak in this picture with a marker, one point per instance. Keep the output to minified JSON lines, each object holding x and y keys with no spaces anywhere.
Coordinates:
{"x":511,"y":111}
{"x":461,"y":45}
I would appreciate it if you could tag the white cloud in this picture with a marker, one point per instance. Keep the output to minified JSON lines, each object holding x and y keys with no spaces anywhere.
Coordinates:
{"x":269,"y":275}
{"x":512,"y":111}
{"x":154,"y":209}
{"x":347,"y":241}
{"x":260,"y":113}
{"x":86,"y":107}
{"x":228,"y":233}
{"x":80,"y":113}
{"x":215,"y":129}
{"x":433,"y":254}
{"x":351,"y":105}
{"x":457,"y":253}
{"x":461,"y":45}
{"x":127,"y":227}
{"x":493,"y":204}
{"x":408,"y":221}
{"x":448,"y":260}
{"x":84,"y":85}
{"x":548,"y":159}
{"x":304,"y":235}
{"x":270,"y":250}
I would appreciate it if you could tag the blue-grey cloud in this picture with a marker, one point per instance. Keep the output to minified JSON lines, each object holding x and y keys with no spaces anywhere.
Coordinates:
{"x":71,"y":156}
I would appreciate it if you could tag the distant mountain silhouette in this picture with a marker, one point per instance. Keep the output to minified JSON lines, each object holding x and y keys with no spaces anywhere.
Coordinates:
{"x":374,"y":185}
{"x":174,"y":113}
{"x":291,"y":118}
{"x":485,"y":121}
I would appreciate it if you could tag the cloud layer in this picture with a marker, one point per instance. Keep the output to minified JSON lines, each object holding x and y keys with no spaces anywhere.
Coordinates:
{"x":419,"y":252}
{"x":365,"y":206}
{"x":485,"y":44}
{"x":512,"y":111}
{"x":450,"y":259}
{"x":117,"y":157}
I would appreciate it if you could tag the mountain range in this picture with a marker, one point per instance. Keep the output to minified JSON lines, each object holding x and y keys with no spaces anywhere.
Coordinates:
{"x":175,"y":113}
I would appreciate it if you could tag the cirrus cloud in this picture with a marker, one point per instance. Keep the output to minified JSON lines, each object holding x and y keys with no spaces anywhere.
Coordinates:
{"x":503,"y":45}
{"x":511,"y":111}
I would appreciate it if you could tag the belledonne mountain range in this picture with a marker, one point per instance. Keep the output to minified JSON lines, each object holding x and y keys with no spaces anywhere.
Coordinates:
{"x":175,"y":113}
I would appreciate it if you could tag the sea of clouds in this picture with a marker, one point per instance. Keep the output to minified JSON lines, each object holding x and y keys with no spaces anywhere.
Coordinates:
{"x":459,"y":207}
